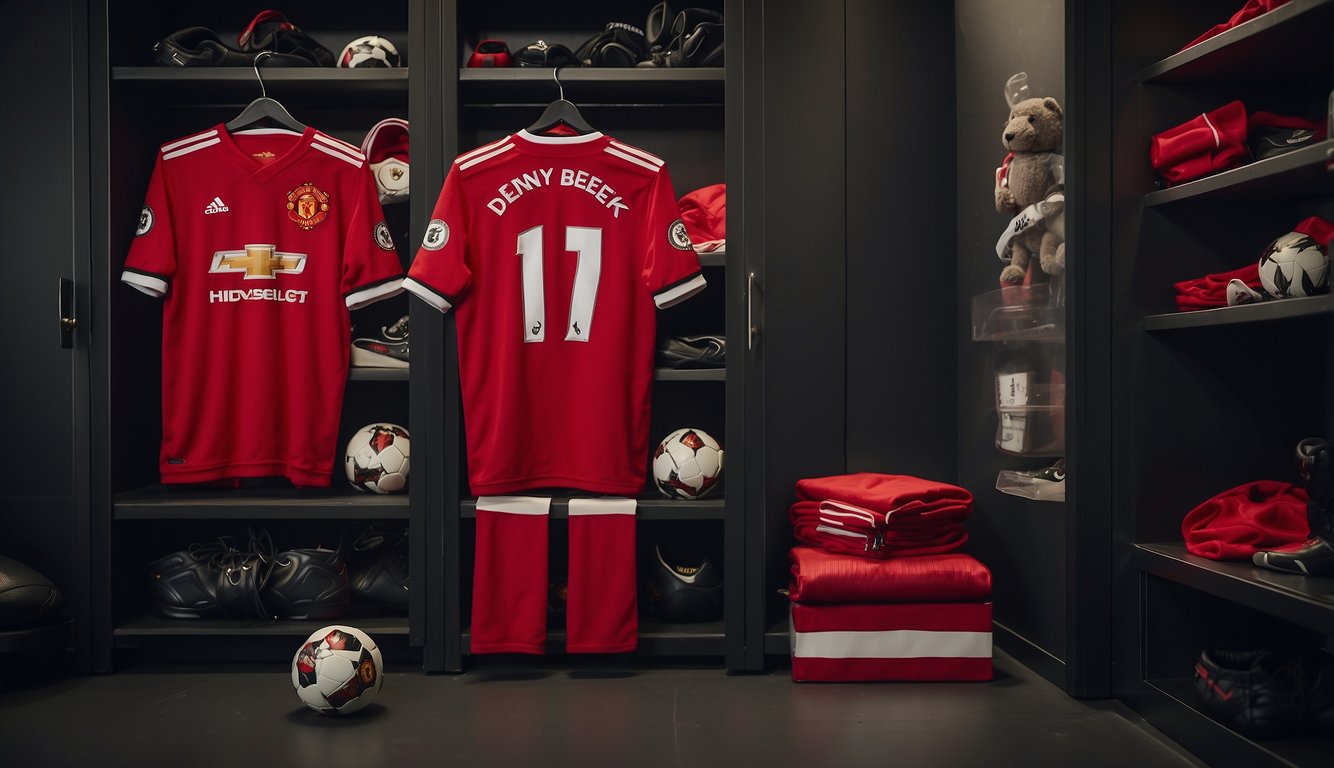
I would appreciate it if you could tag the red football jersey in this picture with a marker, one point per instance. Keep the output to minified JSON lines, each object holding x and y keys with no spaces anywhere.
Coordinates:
{"x":261,"y":242}
{"x":556,"y":251}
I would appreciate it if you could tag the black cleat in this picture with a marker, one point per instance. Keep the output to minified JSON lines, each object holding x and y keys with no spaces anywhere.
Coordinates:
{"x":308,"y":584}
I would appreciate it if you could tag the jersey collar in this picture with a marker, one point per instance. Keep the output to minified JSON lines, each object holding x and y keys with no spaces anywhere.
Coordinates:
{"x":252,"y":166}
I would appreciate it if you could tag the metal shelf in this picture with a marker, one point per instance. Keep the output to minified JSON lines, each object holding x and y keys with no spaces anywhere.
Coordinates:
{"x":646,"y":509}
{"x":1272,"y":47}
{"x":157,"y":626}
{"x":592,"y":86}
{"x":1299,"y":174}
{"x":1309,"y":306}
{"x":318,"y":86}
{"x":166,"y":503}
{"x":1300,"y":599}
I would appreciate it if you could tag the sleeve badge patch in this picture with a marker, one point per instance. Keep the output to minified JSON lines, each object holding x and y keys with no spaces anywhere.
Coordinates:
{"x":382,"y":236}
{"x":677,"y":236}
{"x":437,"y":234}
{"x":145,"y":222}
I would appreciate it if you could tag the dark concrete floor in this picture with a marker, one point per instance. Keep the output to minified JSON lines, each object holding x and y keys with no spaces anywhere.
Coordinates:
{"x":549,"y":713}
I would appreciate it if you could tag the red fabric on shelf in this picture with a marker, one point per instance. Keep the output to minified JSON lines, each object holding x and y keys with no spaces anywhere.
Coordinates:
{"x":1250,"y":10}
{"x":819,"y":576}
{"x":1252,"y":517}
{"x":1208,"y":143}
{"x":1211,"y":290}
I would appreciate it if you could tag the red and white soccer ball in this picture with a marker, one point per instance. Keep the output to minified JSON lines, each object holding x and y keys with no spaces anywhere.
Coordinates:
{"x":1294,"y":265}
{"x":687,"y":464}
{"x":377,"y":458}
{"x":338,"y":670}
{"x":369,"y":51}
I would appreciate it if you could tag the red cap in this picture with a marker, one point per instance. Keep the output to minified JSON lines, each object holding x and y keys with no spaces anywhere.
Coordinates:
{"x":704,"y":212}
{"x":1253,"y":517}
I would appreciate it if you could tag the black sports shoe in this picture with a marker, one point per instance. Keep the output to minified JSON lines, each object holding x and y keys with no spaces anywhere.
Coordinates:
{"x":308,"y":584}
{"x":1315,"y":557}
{"x":271,"y":31}
{"x":388,"y":350}
{"x":705,"y":351}
{"x":201,"y":47}
{"x":684,"y":593}
{"x":185,"y":583}
{"x":378,"y":567}
{"x":1256,"y":693}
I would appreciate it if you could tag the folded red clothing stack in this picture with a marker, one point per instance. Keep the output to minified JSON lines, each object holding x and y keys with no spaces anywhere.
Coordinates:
{"x":910,"y":618}
{"x":880,"y":515}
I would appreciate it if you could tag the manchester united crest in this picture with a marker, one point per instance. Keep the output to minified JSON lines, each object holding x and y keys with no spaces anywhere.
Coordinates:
{"x":307,"y":205}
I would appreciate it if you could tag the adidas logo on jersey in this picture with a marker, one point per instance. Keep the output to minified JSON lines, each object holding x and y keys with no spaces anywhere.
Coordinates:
{"x":216,"y":206}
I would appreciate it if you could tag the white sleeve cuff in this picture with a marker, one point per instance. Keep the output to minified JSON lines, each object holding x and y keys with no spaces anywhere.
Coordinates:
{"x":149,"y":284}
{"x":427,"y":294}
{"x":374,"y":293}
{"x":680,"y":291}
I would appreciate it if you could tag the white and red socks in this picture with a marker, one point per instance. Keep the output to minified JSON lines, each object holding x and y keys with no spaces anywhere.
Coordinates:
{"x":509,"y":586}
{"x":601,"y":611}
{"x":510,"y":578}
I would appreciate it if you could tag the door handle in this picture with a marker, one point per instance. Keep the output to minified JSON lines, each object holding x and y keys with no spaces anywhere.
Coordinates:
{"x":66,"y":308}
{"x":752,"y":330}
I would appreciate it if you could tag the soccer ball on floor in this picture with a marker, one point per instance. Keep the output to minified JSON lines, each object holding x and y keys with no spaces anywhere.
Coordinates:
{"x":687,"y":464}
{"x":369,"y":51}
{"x":377,"y":458}
{"x":338,"y":670}
{"x":1294,"y":265}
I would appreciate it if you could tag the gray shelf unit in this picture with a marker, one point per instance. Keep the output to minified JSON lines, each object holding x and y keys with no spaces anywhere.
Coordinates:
{"x":685,"y":116}
{"x":1196,"y":420}
{"x":133,"y":108}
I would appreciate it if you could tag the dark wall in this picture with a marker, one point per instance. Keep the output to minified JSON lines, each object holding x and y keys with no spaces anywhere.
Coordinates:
{"x":901,"y":373}
{"x":1022,"y":541}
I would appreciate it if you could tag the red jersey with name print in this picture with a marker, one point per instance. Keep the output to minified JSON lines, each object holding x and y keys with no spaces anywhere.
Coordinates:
{"x":555,"y":252}
{"x":261,"y":241}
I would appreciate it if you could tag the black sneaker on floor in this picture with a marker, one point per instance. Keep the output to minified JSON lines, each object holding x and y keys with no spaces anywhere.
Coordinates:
{"x":388,"y":350}
{"x":1256,"y":693}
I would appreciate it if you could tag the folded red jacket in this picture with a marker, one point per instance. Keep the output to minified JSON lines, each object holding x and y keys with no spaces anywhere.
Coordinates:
{"x":884,"y":493}
{"x":1208,"y":143}
{"x":865,"y":534}
{"x":825,"y":577}
{"x":1252,"y":517}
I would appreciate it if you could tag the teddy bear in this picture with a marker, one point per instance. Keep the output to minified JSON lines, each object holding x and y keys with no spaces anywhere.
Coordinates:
{"x":1030,"y":186}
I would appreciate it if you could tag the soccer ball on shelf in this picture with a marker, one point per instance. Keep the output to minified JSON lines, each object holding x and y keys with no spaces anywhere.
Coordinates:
{"x":1294,"y":265}
{"x":377,"y":458}
{"x":369,"y":51}
{"x":338,"y":670}
{"x":687,"y":464}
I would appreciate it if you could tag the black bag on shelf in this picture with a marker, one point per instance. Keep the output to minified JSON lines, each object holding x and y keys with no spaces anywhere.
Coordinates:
{"x":617,"y":45}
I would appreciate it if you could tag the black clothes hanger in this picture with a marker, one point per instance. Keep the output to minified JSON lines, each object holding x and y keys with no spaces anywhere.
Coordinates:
{"x":560,"y":112}
{"x":264,"y":107}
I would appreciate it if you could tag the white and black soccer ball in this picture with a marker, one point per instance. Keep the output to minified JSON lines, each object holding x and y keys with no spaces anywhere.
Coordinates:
{"x":1294,"y":265}
{"x":369,"y":51}
{"x":337,"y":670}
{"x":687,"y":464}
{"x":377,"y":458}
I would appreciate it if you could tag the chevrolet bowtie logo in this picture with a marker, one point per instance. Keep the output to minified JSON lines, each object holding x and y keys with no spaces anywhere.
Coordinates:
{"x":258,"y":262}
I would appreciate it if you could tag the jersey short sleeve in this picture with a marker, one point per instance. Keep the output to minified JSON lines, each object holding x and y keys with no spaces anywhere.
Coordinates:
{"x":151,"y":263}
{"x":671,"y":267}
{"x":439,"y":274}
{"x":371,"y":269}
